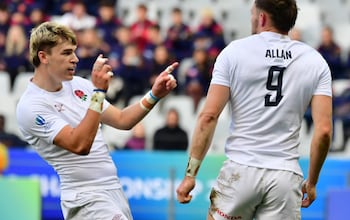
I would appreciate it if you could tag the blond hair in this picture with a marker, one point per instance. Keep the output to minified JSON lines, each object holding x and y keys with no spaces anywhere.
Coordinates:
{"x":46,"y":36}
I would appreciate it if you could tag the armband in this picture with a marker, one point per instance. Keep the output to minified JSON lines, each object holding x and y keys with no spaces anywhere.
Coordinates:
{"x":100,"y":90}
{"x":97,"y":99}
{"x":148,"y":101}
{"x":193,"y":167}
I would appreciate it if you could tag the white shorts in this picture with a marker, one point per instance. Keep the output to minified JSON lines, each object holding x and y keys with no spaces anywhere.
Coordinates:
{"x":244,"y":192}
{"x":97,"y":205}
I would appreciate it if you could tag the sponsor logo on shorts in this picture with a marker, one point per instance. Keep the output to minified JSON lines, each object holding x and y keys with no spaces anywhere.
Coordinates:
{"x":226,"y":216}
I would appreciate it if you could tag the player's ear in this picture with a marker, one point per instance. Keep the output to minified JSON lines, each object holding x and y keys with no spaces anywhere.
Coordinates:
{"x":43,"y":57}
{"x":262,"y":19}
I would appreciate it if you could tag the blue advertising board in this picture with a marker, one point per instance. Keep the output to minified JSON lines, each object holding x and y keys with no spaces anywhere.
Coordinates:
{"x":150,"y":179}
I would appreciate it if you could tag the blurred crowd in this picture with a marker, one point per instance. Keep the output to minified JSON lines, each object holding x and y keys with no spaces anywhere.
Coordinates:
{"x":139,"y":51}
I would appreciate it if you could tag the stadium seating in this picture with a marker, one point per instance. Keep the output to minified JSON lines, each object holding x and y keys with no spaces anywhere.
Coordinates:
{"x":115,"y":138}
{"x":20,"y":84}
{"x":8,"y":109}
{"x":340,"y":85}
{"x":309,"y":22}
{"x":4,"y":84}
{"x":334,"y":11}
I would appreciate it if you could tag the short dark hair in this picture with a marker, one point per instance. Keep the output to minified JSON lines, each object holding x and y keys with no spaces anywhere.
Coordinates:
{"x":283,"y":13}
{"x":107,"y":3}
{"x":177,"y":10}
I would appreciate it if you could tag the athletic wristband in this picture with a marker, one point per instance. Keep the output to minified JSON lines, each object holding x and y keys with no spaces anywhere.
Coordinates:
{"x":152,"y":98}
{"x":100,"y":90}
{"x":97,"y":99}
{"x":193,"y":167}
{"x":148,"y":101}
{"x":146,"y":109}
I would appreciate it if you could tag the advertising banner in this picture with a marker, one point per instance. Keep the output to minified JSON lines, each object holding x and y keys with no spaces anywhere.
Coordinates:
{"x":150,"y":179}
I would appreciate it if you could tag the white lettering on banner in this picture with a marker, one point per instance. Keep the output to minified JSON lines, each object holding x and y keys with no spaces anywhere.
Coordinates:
{"x":153,"y":189}
{"x":134,"y":188}
{"x":49,"y":185}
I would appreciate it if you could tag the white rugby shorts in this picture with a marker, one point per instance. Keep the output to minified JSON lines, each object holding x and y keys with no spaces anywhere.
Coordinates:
{"x":244,"y":192}
{"x":97,"y":205}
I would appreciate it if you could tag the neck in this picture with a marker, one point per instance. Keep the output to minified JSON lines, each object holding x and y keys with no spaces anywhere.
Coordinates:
{"x":272,"y":29}
{"x":45,"y":82}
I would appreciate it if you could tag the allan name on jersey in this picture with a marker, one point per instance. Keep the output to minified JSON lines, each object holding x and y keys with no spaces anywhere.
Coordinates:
{"x":276,"y":53}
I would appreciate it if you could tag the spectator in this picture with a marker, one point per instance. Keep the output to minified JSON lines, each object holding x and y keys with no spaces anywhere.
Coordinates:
{"x":18,"y":18}
{"x":60,"y":7}
{"x":78,"y":19}
{"x":171,"y":136}
{"x":154,"y":38}
{"x":36,"y":16}
{"x":107,"y":22}
{"x":16,"y":52}
{"x":331,"y":52}
{"x":18,"y":6}
{"x":140,"y":26}
{"x":4,"y":18}
{"x":121,"y":38}
{"x":137,"y":140}
{"x":87,"y":51}
{"x":9,"y":139}
{"x":160,"y":60}
{"x":120,"y":41}
{"x":134,"y":73}
{"x":198,"y":76}
{"x":179,"y":36}
{"x":213,"y":31}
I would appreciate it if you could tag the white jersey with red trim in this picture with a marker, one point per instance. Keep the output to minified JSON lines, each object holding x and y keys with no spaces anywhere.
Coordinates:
{"x":41,"y":115}
{"x":272,"y":80}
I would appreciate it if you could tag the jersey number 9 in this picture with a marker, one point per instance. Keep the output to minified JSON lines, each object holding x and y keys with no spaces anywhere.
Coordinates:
{"x":274,"y":83}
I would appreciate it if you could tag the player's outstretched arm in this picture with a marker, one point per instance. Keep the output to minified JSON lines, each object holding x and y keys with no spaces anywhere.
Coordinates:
{"x":128,"y":117}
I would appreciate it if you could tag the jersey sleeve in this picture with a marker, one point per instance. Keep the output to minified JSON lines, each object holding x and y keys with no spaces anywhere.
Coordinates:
{"x":324,"y":86}
{"x":39,"y":121}
{"x":221,"y":69}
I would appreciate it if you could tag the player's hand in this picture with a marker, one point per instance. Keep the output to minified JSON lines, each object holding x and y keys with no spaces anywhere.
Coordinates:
{"x":309,"y":194}
{"x":184,"y":189}
{"x":101,"y":73}
{"x":165,"y":82}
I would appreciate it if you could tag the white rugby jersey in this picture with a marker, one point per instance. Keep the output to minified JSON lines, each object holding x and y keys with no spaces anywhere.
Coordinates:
{"x":272,"y":80}
{"x":42,"y":114}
